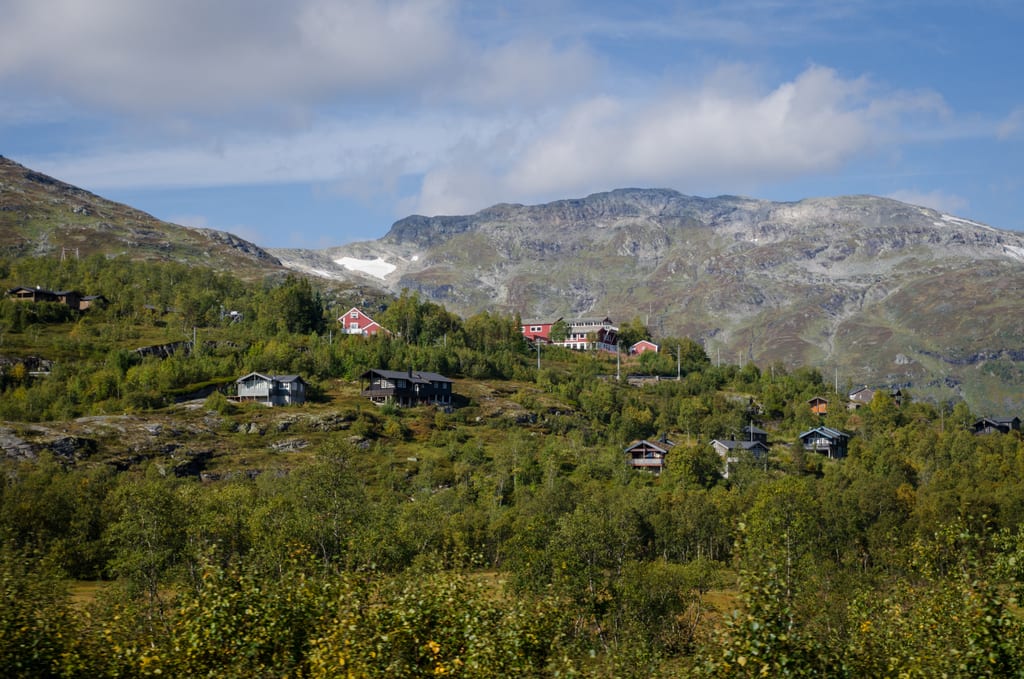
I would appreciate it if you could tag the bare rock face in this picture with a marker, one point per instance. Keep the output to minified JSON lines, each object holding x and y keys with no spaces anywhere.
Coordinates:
{"x":883,"y":291}
{"x":72,"y":448}
{"x":15,"y":447}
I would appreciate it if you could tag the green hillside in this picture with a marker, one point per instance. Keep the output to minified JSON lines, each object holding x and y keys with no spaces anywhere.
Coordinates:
{"x":506,"y":536}
{"x":41,"y":216}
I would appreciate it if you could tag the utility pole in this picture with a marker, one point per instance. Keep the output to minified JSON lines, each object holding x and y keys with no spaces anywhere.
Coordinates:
{"x":679,"y":363}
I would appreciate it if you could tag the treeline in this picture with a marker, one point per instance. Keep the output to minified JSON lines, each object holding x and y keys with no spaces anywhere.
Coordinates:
{"x":286,"y":326}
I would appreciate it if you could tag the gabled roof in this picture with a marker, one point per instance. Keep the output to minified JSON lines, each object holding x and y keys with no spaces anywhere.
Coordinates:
{"x":827,"y":432}
{"x":999,"y":420}
{"x":270,"y":378}
{"x":243,"y":378}
{"x":35,"y":291}
{"x":862,"y":393}
{"x":540,"y":321}
{"x":660,"y":446}
{"x":416,"y":376}
{"x":745,"y":445}
{"x":751,"y":429}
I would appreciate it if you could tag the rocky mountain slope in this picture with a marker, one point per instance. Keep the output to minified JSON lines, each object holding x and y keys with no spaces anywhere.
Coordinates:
{"x":867,"y":289}
{"x":41,"y":216}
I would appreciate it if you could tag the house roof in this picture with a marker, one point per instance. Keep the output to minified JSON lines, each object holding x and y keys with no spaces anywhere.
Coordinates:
{"x":540,"y":321}
{"x":745,"y":445}
{"x":38,"y":291}
{"x":827,"y":432}
{"x":864,"y":393}
{"x":270,"y":378}
{"x":580,"y":324}
{"x":751,"y":429}
{"x":243,"y":378}
{"x":415,"y":375}
{"x":1005,"y":421}
{"x":660,"y":446}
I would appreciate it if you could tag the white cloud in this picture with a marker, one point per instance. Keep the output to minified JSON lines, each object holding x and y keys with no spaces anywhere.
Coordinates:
{"x":948,"y":203}
{"x":342,"y":151}
{"x":527,"y":71}
{"x":157,"y":58}
{"x":727,"y":133}
{"x":1012,"y":124}
{"x":194,"y":55}
{"x":723,"y":134}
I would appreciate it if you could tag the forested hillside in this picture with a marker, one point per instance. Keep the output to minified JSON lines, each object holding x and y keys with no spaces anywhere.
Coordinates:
{"x":151,"y":526}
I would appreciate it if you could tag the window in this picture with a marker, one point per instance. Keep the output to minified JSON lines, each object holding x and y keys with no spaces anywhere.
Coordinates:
{"x":354,"y":314}
{"x":353,"y":326}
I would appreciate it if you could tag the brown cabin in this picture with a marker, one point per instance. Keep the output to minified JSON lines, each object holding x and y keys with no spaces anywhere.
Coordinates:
{"x":819,"y":405}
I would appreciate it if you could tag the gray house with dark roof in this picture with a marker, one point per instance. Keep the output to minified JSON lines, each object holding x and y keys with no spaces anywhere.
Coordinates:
{"x":831,"y":442}
{"x":273,"y":390}
{"x":406,"y":388}
{"x":730,"y":451}
{"x":991,"y":425}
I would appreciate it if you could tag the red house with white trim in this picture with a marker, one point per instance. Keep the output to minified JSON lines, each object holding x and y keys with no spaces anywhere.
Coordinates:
{"x":581,"y":333}
{"x":355,"y":322}
{"x":534,"y":330}
{"x":643,"y":346}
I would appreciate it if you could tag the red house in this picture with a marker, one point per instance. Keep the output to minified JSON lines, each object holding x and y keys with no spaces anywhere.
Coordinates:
{"x":535,"y":330}
{"x":642,"y":346}
{"x":355,"y":322}
{"x":581,"y":333}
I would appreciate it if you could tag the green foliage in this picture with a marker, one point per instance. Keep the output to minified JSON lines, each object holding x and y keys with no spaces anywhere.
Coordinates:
{"x":433,"y":625}
{"x":632,"y":332}
{"x":148,"y":536}
{"x":219,"y":403}
{"x":867,"y":566}
{"x":559,"y":331}
{"x":35,"y":617}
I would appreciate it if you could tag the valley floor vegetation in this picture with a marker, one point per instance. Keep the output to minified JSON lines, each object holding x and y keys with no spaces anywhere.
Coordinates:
{"x":418,"y":542}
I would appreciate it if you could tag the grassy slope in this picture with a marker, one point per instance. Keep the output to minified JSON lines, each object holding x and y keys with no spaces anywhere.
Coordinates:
{"x":41,"y":216}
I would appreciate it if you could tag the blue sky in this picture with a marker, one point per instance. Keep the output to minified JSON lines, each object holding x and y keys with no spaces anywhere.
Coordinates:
{"x":312,"y":123}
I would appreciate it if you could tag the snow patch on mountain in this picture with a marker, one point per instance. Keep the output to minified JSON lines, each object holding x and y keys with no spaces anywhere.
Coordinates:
{"x":378,"y":268}
{"x":965,"y":222}
{"x":1015,"y":252}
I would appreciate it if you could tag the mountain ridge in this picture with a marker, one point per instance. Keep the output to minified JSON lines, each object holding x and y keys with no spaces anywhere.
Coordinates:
{"x":872,"y":289}
{"x":42,"y":215}
{"x":880,"y":290}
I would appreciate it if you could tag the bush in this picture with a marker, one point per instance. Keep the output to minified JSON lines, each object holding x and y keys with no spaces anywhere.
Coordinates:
{"x":220,"y":404}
